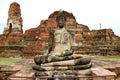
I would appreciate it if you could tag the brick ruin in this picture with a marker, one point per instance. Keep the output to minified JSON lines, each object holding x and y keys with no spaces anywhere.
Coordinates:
{"x":13,"y":32}
{"x":36,"y":39}
{"x":14,"y":21}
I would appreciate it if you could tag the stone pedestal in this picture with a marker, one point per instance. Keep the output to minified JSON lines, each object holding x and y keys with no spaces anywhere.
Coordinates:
{"x":76,"y":65}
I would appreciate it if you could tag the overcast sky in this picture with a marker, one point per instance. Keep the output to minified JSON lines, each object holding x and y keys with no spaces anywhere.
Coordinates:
{"x":88,"y":12}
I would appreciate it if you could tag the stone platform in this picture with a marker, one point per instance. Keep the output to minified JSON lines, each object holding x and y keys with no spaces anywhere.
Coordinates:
{"x":103,"y":74}
{"x":25,"y":72}
{"x":98,"y":74}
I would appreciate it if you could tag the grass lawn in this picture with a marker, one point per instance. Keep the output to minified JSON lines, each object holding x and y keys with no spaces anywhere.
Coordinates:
{"x":9,"y":61}
{"x":114,"y":58}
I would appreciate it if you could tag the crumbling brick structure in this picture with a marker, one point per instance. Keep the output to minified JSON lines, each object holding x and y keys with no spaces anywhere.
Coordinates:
{"x":14,"y":22}
{"x":36,"y":39}
{"x":82,"y":32}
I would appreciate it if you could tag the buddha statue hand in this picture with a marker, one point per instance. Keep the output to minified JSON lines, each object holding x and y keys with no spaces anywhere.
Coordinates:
{"x":44,"y":58}
{"x":39,"y":59}
{"x":67,"y":53}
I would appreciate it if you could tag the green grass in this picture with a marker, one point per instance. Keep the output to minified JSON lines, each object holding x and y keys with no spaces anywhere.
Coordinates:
{"x":9,"y":61}
{"x":114,"y":58}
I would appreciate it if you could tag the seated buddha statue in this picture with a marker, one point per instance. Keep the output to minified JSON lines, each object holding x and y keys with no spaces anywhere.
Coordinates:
{"x":60,"y":43}
{"x":61,"y":48}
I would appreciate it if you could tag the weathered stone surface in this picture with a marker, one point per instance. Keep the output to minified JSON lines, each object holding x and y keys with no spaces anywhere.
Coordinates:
{"x":103,"y":72}
{"x":14,"y":22}
{"x":66,"y":72}
{"x":79,"y":61}
{"x":69,"y":67}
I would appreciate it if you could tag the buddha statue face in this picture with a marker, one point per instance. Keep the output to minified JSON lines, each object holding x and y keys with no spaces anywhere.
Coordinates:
{"x":61,"y":20}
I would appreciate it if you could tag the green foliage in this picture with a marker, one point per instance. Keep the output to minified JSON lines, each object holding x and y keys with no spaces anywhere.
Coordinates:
{"x":118,"y":38}
{"x":9,"y":61}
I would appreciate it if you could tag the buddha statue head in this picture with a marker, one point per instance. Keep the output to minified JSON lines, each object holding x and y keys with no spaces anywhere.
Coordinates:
{"x":60,"y":19}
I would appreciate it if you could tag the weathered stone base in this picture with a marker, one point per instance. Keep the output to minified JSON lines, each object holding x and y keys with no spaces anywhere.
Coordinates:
{"x":23,"y":75}
{"x":97,"y":74}
{"x":64,"y":72}
{"x":28,"y":74}
{"x":103,"y":74}
{"x":51,"y":68}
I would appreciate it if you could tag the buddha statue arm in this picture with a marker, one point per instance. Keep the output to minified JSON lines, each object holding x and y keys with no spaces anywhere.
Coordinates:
{"x":43,"y":58}
{"x":74,"y":44}
{"x":50,"y":45}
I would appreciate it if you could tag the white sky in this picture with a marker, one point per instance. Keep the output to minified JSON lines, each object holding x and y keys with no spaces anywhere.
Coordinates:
{"x":88,"y":12}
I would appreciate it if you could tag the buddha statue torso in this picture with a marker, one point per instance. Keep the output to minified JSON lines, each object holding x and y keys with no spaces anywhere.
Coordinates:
{"x":62,"y":41}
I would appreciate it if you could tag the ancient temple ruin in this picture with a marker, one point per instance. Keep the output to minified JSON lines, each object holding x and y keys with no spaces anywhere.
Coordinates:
{"x":14,"y":21}
{"x":13,"y":32}
{"x":36,"y":39}
{"x":82,"y":32}
{"x":12,"y":37}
